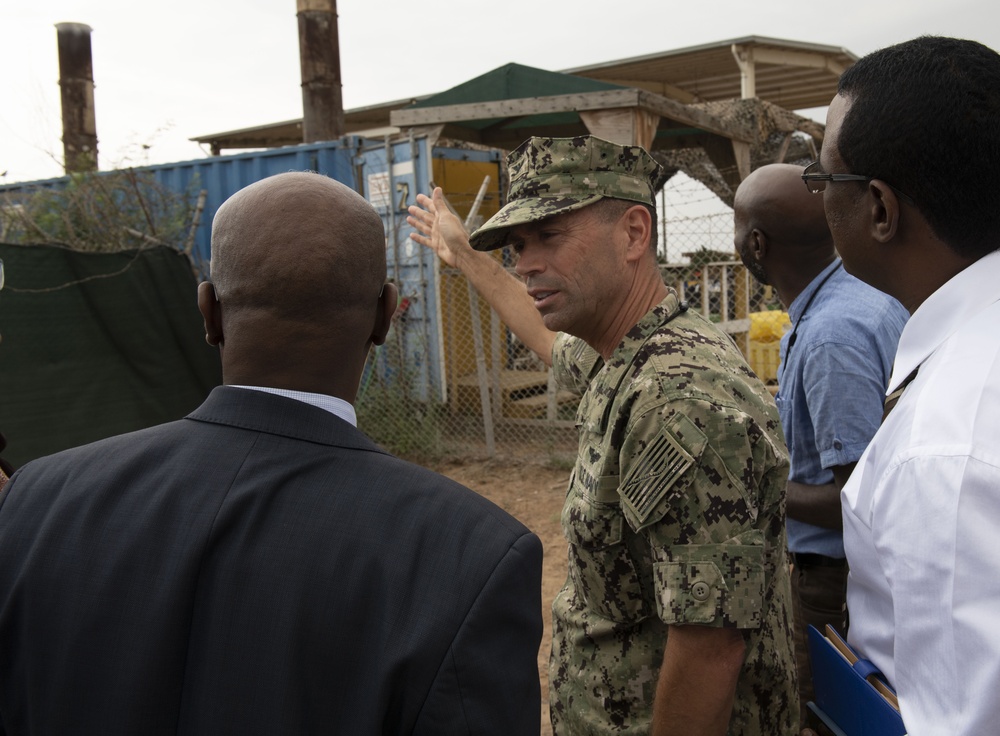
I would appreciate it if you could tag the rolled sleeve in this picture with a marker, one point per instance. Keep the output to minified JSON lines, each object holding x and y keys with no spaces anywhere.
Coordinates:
{"x":712,"y":584}
{"x":845,"y":387}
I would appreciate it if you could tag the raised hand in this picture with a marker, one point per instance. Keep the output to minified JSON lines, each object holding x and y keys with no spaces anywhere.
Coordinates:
{"x":438,"y":227}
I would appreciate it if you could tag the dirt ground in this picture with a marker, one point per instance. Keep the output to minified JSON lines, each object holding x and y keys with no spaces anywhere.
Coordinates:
{"x":533,"y":493}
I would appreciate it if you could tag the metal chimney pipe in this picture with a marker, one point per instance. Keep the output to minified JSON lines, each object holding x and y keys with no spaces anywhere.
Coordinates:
{"x":76,"y":82}
{"x":319,"y":54}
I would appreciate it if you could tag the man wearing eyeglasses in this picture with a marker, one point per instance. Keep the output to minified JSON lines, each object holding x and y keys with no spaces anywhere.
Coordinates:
{"x":908,"y":178}
{"x":835,"y":365}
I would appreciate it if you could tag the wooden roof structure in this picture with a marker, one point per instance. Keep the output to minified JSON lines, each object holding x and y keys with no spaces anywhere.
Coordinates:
{"x":731,"y":99}
{"x":791,"y":74}
{"x":513,"y":102}
{"x":370,"y":120}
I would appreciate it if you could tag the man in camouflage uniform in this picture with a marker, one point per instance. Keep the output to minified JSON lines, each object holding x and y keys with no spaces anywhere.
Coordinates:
{"x":675,"y":617}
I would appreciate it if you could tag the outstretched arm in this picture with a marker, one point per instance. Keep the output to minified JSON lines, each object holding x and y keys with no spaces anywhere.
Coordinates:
{"x":439,"y":229}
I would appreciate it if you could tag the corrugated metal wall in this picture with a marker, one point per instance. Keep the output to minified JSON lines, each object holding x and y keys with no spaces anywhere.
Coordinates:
{"x":223,"y":176}
{"x":389,"y":175}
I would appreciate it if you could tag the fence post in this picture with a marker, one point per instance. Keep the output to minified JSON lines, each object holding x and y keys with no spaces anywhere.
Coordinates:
{"x":477,"y":337}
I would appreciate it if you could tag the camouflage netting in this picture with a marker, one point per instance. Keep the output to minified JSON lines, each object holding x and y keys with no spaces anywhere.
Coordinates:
{"x":778,"y":135}
{"x":761,"y":118}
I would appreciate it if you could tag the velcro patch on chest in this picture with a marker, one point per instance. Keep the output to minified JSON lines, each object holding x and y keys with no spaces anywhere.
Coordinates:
{"x":653,"y":475}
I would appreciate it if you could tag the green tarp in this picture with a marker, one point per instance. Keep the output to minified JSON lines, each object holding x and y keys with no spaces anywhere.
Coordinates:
{"x":516,"y":81}
{"x":96,"y":344}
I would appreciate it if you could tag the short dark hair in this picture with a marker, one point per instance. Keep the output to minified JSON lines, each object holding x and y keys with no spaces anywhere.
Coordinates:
{"x":924,"y":117}
{"x":609,"y":210}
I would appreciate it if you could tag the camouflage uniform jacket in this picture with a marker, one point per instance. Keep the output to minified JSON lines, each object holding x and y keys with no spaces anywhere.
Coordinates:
{"x":674,"y":515}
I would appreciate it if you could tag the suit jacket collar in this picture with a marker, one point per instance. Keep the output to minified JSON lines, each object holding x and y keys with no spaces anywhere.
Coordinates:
{"x":263,"y":412}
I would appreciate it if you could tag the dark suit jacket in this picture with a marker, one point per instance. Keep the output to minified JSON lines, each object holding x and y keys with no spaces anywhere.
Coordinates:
{"x":261,"y":567}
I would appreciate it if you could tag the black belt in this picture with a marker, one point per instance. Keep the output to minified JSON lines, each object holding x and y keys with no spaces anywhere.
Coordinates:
{"x":809,"y":559}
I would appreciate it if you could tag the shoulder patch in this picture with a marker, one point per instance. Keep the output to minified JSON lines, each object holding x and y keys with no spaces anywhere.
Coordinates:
{"x":652,"y":476}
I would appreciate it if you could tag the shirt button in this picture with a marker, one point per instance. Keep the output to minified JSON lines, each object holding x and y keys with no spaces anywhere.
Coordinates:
{"x":700,"y":591}
{"x":838,"y":445}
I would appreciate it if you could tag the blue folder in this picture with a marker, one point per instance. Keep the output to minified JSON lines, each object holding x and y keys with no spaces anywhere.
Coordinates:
{"x":852,"y":697}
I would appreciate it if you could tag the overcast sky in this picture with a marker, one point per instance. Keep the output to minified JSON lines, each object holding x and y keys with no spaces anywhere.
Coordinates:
{"x":175,"y":69}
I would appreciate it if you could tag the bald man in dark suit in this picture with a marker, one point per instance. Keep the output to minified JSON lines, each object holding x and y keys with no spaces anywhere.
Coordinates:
{"x":261,"y":566}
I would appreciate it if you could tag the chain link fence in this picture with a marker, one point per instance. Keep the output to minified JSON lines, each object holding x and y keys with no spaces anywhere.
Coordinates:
{"x":451,"y":380}
{"x":498,"y":398}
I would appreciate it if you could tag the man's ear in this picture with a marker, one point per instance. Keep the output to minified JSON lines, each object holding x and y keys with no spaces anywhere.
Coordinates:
{"x":639,"y":226}
{"x":758,"y":245}
{"x":885,"y":210}
{"x":211,"y":312}
{"x":388,"y":299}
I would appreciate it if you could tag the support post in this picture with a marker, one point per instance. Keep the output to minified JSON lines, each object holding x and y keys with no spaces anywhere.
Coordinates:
{"x":76,"y":86}
{"x":319,"y":56}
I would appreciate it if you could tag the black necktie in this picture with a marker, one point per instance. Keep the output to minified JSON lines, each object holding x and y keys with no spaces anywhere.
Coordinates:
{"x":892,"y":399}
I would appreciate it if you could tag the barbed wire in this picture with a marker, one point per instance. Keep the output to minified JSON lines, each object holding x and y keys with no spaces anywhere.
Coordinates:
{"x":93,"y":277}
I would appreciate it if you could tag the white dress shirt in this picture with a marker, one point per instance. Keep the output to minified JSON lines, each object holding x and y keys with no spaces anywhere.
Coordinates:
{"x":922,"y":517}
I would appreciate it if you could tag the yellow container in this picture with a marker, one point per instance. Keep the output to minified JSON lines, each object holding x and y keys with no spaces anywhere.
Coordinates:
{"x":764,"y":360}
{"x":768,"y":326}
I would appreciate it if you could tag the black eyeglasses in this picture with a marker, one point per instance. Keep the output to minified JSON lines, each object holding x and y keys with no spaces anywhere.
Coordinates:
{"x":815,"y":180}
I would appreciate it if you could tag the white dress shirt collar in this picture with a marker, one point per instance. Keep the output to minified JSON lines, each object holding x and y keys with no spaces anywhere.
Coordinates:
{"x":963,"y":295}
{"x":332,"y":404}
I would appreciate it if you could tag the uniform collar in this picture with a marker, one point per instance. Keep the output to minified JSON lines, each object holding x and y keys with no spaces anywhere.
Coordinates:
{"x":656,"y":317}
{"x":595,"y":408}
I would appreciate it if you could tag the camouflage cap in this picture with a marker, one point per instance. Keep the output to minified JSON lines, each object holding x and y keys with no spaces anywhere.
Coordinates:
{"x":549,"y":176}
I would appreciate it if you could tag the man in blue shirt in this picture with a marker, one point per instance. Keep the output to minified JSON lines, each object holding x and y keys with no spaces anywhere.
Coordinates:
{"x":835,"y":364}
